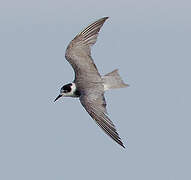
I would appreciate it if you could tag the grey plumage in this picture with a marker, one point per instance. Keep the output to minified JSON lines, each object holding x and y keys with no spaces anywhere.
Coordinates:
{"x":78,"y":54}
{"x":96,"y":107}
{"x":89,"y":82}
{"x":113,"y":80}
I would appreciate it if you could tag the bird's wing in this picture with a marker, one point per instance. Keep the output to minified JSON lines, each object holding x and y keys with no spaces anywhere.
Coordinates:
{"x":95,"y":105}
{"x":78,"y":52}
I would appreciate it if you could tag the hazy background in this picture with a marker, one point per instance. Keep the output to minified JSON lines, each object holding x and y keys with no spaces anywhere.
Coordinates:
{"x":149,"y":41}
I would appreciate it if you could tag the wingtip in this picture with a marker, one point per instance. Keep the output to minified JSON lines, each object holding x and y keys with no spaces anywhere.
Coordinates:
{"x":121,"y":144}
{"x":105,"y":18}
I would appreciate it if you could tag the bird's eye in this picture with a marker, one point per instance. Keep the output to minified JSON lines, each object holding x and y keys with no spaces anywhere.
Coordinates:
{"x":63,"y":91}
{"x":66,"y":88}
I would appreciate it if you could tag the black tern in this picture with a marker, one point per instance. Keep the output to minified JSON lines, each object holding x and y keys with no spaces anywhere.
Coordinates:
{"x":89,"y":86}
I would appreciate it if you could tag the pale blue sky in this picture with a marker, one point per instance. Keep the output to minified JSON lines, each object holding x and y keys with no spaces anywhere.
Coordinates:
{"x":149,"y":41}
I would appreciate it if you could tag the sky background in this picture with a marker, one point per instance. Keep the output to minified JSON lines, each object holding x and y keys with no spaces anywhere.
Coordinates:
{"x":149,"y":41}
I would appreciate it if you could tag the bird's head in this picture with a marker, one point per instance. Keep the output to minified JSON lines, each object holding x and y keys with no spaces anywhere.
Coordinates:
{"x":68,"y":90}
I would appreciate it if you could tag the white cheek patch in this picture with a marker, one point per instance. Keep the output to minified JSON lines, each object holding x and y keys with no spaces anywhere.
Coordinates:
{"x":72,"y":92}
{"x":73,"y":87}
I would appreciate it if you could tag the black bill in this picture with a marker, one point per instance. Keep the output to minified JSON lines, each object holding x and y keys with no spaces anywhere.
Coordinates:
{"x":59,"y":96}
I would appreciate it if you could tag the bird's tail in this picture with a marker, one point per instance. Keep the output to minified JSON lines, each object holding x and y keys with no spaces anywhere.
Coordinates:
{"x":113,"y":80}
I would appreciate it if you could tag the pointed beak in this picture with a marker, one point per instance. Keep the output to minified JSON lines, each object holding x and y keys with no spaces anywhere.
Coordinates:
{"x":59,"y":96}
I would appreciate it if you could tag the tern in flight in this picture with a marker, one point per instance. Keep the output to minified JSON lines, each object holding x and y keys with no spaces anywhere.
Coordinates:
{"x":89,"y":86}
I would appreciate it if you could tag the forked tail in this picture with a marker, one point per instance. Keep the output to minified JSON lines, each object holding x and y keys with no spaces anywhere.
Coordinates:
{"x":113,"y":80}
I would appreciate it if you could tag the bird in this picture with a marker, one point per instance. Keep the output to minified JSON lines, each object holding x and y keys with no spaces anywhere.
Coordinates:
{"x":89,"y":86}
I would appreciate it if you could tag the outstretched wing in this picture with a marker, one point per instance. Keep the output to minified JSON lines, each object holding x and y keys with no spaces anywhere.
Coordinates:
{"x":96,"y":107}
{"x":78,"y":52}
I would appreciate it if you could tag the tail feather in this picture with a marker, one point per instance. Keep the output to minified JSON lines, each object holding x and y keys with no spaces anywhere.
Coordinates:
{"x":113,"y":80}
